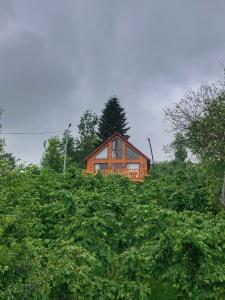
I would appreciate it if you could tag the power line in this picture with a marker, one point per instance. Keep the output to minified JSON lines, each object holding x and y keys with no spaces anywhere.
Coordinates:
{"x":44,"y":132}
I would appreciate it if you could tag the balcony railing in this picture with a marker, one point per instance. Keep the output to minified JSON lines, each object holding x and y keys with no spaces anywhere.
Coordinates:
{"x":133,"y":174}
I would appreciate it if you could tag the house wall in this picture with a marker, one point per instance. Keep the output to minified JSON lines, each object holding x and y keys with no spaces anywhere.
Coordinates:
{"x":92,"y":160}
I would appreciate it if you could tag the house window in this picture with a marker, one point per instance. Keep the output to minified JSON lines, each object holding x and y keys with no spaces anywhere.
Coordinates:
{"x":117,"y":146}
{"x":99,"y":167}
{"x":131,"y":154}
{"x":103,"y":154}
{"x":117,"y":166}
{"x":133,"y":166}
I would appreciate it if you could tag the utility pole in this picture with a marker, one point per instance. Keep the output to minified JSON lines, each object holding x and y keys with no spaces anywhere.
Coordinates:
{"x":65,"y":148}
{"x":150,"y":145}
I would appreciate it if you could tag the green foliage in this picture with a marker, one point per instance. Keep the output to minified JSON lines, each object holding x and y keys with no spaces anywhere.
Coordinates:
{"x":206,"y":134}
{"x":53,"y":155}
{"x":66,"y":236}
{"x":200,"y":117}
{"x":87,"y":139}
{"x":178,"y":148}
{"x":77,"y":148}
{"x":113,"y":120}
{"x":183,"y":186}
{"x":6,"y":159}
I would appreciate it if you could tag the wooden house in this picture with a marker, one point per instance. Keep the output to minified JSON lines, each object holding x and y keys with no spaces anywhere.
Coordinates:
{"x":118,"y":156}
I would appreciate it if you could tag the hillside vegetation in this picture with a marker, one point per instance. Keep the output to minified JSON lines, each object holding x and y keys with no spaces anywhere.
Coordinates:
{"x":66,"y":236}
{"x":69,"y":236}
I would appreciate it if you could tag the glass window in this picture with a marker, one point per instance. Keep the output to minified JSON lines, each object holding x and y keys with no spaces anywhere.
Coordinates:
{"x":103,"y":154}
{"x":117,"y":166}
{"x":114,"y":149}
{"x":131,"y":154}
{"x":133,"y":166}
{"x":117,"y":149}
{"x":101,"y":167}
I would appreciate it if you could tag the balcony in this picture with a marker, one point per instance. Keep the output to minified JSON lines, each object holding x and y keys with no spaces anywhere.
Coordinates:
{"x":133,"y":174}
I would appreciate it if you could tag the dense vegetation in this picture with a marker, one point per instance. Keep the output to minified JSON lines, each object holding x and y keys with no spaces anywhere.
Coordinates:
{"x":69,"y":236}
{"x":65,"y":236}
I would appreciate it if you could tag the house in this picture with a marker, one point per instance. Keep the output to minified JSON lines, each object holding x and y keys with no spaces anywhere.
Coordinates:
{"x":118,"y":156}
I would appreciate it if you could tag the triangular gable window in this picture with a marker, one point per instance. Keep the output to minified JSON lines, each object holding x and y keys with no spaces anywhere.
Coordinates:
{"x":103,"y":154}
{"x":131,"y":154}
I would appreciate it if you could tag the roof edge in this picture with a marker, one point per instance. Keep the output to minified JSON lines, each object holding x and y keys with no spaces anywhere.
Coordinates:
{"x":109,"y":139}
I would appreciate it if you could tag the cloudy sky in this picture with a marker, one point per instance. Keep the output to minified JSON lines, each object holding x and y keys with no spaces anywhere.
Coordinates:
{"x":59,"y":58}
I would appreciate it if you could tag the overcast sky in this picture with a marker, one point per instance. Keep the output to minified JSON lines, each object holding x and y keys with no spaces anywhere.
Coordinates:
{"x":60,"y":58}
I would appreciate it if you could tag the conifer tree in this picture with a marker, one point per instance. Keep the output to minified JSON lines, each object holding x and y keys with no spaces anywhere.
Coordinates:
{"x":113,"y":120}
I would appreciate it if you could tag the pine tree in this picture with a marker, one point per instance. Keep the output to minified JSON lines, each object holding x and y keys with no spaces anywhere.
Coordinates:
{"x":113,"y":120}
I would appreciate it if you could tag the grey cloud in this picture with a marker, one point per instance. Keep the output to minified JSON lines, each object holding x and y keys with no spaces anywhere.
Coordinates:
{"x":32,"y":77}
{"x":6,"y":13}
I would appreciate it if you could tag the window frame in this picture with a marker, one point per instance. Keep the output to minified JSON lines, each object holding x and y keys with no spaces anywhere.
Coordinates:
{"x":117,"y":150}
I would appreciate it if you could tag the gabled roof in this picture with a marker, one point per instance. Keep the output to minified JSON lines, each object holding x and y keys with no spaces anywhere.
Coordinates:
{"x":111,"y":138}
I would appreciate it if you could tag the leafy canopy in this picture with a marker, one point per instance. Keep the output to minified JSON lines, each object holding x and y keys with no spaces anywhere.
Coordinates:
{"x":7,"y":159}
{"x":200,"y":116}
{"x":53,"y":155}
{"x":87,"y":139}
{"x":178,"y":148}
{"x":69,"y":236}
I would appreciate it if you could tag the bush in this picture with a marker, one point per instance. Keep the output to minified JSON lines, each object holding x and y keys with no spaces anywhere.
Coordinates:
{"x":69,"y":236}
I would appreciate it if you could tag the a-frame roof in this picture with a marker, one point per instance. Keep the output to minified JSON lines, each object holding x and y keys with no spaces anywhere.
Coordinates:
{"x":111,"y":138}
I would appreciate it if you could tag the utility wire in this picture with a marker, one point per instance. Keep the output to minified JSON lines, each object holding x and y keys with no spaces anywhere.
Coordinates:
{"x":45,"y":132}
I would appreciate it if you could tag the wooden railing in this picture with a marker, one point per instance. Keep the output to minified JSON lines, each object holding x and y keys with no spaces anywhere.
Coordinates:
{"x":133,"y":174}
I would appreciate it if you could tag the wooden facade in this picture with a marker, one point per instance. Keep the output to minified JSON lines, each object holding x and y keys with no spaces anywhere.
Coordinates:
{"x":118,"y":156}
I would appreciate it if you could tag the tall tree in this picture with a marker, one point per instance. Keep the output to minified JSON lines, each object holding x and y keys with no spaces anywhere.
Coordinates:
{"x":178,"y":148}
{"x":53,"y":156}
{"x":87,"y":139}
{"x":113,"y":120}
{"x":200,"y":116}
